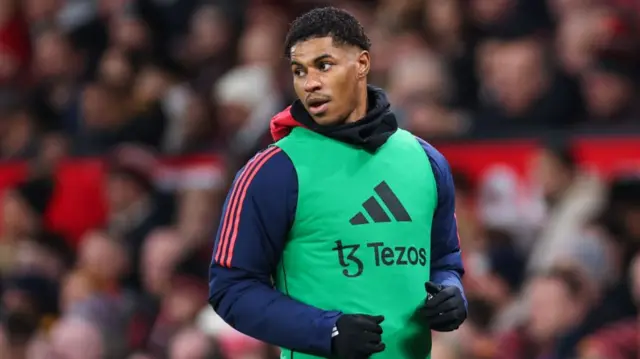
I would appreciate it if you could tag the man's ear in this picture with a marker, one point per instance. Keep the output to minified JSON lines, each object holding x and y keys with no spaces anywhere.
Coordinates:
{"x":364,"y":64}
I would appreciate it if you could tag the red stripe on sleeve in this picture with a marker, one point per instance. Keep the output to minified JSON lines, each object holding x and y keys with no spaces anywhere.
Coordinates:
{"x":233,"y":212}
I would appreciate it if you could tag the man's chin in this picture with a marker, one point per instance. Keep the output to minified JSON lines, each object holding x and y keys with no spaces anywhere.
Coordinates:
{"x":326,"y":120}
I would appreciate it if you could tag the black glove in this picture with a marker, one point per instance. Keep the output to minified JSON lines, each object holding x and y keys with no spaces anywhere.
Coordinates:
{"x":444,"y":309}
{"x":358,"y":336}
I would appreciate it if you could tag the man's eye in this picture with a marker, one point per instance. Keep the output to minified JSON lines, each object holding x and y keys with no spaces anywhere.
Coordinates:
{"x":298,"y":72}
{"x":325,"y":66}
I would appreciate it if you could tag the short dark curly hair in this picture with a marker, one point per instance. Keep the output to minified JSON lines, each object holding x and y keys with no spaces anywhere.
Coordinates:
{"x":343,"y":27}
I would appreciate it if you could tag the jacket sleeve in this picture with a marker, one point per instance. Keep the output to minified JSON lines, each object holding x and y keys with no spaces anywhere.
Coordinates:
{"x":256,"y":219}
{"x":446,"y":259}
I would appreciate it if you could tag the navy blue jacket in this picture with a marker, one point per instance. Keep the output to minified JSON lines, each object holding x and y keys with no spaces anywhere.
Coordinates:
{"x":257,"y":216}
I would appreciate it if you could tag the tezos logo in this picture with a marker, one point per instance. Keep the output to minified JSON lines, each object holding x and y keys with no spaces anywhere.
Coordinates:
{"x":349,"y":256}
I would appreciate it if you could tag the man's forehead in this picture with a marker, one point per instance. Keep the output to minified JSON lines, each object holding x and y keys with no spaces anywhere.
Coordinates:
{"x":312,"y":48}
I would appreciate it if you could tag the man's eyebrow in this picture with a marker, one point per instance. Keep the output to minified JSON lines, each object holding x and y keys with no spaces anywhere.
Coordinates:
{"x":319,"y":58}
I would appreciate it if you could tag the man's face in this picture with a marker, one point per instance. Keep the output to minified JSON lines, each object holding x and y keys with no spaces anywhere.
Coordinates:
{"x":190,"y":344}
{"x":551,"y":174}
{"x":17,"y":219}
{"x":122,"y":192}
{"x":76,"y":339}
{"x":326,"y":78}
{"x":160,"y":254}
{"x":553,"y":310}
{"x":607,"y":94}
{"x":517,"y":75}
{"x":102,"y":256}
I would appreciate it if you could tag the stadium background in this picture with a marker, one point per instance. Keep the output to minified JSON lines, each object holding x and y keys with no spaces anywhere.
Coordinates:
{"x":122,"y":122}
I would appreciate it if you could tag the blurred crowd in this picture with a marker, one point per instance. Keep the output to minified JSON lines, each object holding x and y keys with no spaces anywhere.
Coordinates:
{"x":554,"y":274}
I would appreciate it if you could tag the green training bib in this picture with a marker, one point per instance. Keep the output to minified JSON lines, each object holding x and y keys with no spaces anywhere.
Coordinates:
{"x":361,"y":238}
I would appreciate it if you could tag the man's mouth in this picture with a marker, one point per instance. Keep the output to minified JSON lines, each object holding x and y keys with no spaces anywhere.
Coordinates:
{"x":318,"y":106}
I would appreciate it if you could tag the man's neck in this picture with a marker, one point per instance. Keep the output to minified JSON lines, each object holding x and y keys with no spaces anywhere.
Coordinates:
{"x":360,"y":110}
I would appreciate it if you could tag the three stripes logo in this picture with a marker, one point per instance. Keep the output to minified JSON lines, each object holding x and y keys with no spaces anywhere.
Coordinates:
{"x":374,"y":209}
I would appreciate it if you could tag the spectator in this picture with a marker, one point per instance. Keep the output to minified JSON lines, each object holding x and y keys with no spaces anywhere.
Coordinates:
{"x":191,"y":344}
{"x":559,"y":303}
{"x":135,"y":207}
{"x":572,"y":197}
{"x":103,"y":259}
{"x":609,"y":87}
{"x":619,"y":340}
{"x":521,"y":90}
{"x":76,"y":338}
{"x":19,"y":130}
{"x":24,"y":208}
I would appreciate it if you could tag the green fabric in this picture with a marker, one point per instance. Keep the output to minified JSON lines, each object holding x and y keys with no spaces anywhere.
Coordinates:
{"x":382,"y":267}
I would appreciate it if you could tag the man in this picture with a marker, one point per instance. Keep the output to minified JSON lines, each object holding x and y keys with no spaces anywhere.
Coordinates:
{"x":329,"y":236}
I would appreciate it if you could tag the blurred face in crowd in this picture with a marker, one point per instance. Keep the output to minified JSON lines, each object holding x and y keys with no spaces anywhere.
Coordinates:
{"x":208,"y":33}
{"x":562,"y":8}
{"x":517,"y":74}
{"x":128,"y":33}
{"x":490,"y":11}
{"x":17,"y":133}
{"x":419,"y":84}
{"x":102,"y":257}
{"x":259,"y":46}
{"x":7,"y":10}
{"x":122,"y":192}
{"x":328,"y":78}
{"x":160,"y":254}
{"x":9,"y":66}
{"x":76,"y":339}
{"x":607,"y":94}
{"x":115,"y":69}
{"x":54,"y":147}
{"x":41,"y":10}
{"x":111,"y":7}
{"x":53,"y":56}
{"x":551,"y":174}
{"x":417,"y":77}
{"x":150,"y":85}
{"x":183,"y":302}
{"x":576,"y":41}
{"x":76,"y":287}
{"x":443,"y":17}
{"x":17,"y":217}
{"x":553,"y":309}
{"x":100,"y":108}
{"x":189,"y":344}
{"x":196,"y":211}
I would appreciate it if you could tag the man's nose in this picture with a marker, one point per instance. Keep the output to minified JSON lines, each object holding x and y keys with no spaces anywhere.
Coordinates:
{"x":312,"y":84}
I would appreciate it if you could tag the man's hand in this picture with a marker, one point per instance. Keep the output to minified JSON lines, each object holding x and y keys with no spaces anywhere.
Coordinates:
{"x":357,"y":336}
{"x":444,"y":309}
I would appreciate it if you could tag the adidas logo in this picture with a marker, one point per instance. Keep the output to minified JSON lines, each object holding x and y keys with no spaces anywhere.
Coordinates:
{"x":375,"y":211}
